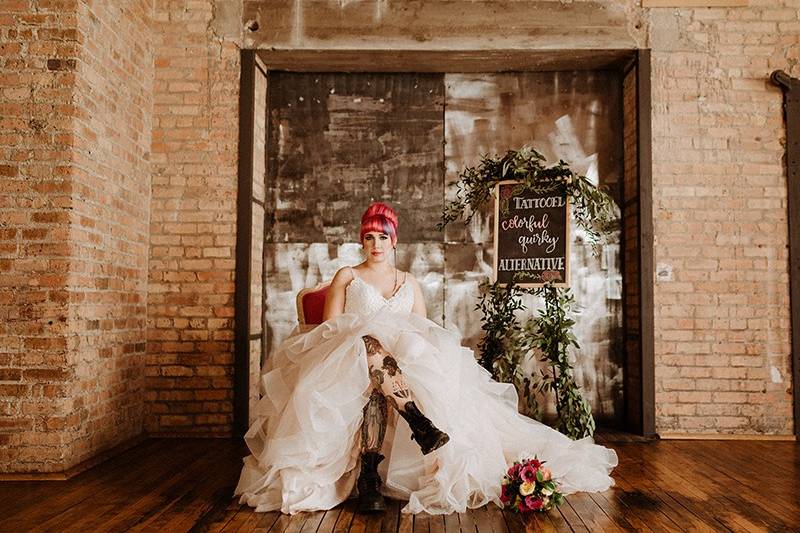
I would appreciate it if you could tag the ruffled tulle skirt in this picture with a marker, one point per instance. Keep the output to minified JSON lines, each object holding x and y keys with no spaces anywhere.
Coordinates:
{"x":305,"y":441}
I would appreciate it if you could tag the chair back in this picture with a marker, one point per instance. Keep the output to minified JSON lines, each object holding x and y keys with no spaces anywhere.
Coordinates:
{"x":311,"y":304}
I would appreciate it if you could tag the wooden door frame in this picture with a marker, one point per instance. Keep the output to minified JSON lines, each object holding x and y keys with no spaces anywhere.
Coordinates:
{"x":644,"y":154}
{"x":244,"y":235}
{"x":791,"y":112}
{"x":258,"y":62}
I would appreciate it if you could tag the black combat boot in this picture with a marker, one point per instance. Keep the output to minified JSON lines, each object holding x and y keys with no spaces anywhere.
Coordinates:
{"x":428,"y":436}
{"x":370,"y":499}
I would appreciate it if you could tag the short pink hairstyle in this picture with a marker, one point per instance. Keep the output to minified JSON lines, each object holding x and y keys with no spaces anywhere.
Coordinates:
{"x":379,"y":217}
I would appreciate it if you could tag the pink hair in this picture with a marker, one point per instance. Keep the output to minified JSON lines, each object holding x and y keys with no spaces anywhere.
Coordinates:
{"x":379,"y":217}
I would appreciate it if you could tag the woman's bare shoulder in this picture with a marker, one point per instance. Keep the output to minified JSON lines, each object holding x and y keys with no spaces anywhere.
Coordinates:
{"x":408,"y":276}
{"x":343,"y":276}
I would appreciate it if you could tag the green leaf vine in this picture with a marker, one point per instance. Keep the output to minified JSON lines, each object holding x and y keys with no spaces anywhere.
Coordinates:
{"x":592,"y":208}
{"x":506,"y":343}
{"x":551,"y":335}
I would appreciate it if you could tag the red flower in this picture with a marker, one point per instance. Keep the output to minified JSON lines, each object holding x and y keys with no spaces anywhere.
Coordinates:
{"x":533,"y":504}
{"x":505,"y":497}
{"x":528,"y":473}
{"x":551,"y":275}
{"x":514,"y":470}
{"x":522,"y":507}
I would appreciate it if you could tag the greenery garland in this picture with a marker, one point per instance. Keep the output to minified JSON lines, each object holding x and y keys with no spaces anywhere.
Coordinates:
{"x":592,"y":208}
{"x":506,"y":344}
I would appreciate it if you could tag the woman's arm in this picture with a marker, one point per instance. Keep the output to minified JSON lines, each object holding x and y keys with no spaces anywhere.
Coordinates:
{"x":334,"y":300}
{"x":419,"y":298}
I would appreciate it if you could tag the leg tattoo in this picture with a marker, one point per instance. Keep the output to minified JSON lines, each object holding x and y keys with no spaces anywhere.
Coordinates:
{"x":389,"y":382}
{"x":386,"y":375}
{"x":373,"y":428}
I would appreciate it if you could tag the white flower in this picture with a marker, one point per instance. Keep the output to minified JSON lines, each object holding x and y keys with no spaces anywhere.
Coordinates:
{"x":547,"y":491}
{"x":527,"y":488}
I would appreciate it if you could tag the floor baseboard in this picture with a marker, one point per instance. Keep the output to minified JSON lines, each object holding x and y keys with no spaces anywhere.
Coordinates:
{"x":723,"y":436}
{"x":78,"y":468}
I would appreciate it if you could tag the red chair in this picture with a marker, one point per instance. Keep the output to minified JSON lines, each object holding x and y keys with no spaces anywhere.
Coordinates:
{"x":310,"y":306}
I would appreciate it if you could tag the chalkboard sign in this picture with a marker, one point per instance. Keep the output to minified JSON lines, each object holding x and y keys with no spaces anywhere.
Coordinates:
{"x":531,"y":236}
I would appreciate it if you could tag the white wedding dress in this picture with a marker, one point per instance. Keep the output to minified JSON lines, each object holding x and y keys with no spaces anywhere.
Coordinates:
{"x":305,"y":442}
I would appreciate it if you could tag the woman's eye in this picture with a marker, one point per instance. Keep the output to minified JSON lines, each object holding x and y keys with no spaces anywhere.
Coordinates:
{"x":384,"y":237}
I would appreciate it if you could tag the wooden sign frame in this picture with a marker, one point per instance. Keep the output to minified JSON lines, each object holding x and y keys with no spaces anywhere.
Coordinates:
{"x":568,"y":244}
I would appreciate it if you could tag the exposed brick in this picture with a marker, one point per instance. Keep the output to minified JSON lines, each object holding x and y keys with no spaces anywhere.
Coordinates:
{"x":10,"y":374}
{"x":196,"y":311}
{"x":45,"y":374}
{"x":58,"y":179}
{"x":61,"y":64}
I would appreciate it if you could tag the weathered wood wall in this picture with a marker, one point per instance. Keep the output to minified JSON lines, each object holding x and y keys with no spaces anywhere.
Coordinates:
{"x":339,"y":141}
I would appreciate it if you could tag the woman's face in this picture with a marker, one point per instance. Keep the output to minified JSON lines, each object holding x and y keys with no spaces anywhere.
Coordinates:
{"x":376,"y":245}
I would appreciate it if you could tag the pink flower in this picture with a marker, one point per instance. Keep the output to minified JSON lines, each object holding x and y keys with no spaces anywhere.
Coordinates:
{"x":528,"y":473}
{"x":533,"y":504}
{"x":551,"y":275}
{"x":547,"y":475}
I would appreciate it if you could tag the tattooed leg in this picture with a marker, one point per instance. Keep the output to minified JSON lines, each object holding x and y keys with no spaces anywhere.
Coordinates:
{"x":388,"y":379}
{"x":373,"y":428}
{"x":385,"y":374}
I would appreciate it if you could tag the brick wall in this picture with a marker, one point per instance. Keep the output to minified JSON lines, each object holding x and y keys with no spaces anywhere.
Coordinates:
{"x":193,"y":222}
{"x":722,"y":301}
{"x":80,"y":228}
{"x":38,"y":57}
{"x":109,"y":236}
{"x":74,"y":144}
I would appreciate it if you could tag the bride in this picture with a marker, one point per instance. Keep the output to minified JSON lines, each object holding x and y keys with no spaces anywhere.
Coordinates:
{"x":380,"y":397}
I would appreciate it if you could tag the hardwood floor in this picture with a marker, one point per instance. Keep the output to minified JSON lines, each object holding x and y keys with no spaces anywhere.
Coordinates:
{"x":178,"y":485}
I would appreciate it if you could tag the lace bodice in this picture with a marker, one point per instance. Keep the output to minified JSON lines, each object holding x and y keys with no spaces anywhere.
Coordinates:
{"x":363,"y":298}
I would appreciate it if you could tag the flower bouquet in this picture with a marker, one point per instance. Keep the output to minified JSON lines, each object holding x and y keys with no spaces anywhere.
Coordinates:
{"x":529,"y":486}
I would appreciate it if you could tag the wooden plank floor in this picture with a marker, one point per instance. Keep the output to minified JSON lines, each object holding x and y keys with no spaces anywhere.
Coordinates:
{"x":176,"y":485}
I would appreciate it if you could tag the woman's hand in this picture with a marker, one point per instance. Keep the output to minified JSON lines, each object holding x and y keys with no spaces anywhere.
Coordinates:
{"x":334,"y":300}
